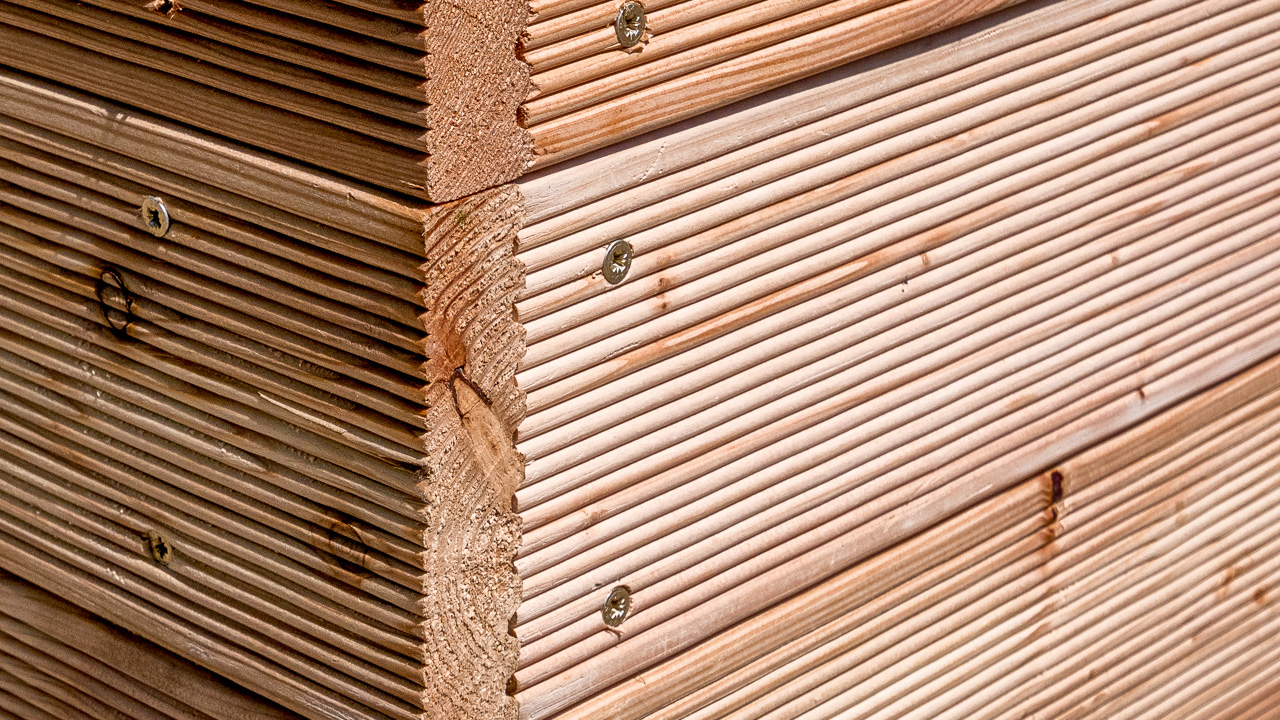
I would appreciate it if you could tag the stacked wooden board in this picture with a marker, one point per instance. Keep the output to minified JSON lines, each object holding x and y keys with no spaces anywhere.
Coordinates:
{"x":937,"y":367}
{"x":61,"y":663}
{"x":855,"y":328}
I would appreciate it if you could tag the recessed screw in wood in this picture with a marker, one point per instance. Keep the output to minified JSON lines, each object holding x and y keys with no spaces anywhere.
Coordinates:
{"x":617,"y":606}
{"x":629,"y":25}
{"x":617,"y":261}
{"x":161,"y":550}
{"x":112,"y":283}
{"x":155,"y":216}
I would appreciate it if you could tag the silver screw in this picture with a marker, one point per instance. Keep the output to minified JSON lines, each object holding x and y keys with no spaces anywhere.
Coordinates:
{"x":629,"y":25}
{"x":617,"y":261}
{"x":616,"y":606}
{"x":155,"y":216}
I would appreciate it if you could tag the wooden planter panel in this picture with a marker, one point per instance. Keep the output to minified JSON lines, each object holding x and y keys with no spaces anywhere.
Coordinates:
{"x":942,"y":382}
{"x":1020,"y":238}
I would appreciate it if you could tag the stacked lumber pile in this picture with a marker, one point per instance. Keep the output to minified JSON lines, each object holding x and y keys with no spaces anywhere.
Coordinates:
{"x":59,"y":663}
{"x":919,"y":361}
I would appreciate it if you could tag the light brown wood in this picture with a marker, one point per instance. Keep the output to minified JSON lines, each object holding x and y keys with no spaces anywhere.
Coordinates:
{"x":815,"y":47}
{"x":1058,"y":510}
{"x":471,"y":589}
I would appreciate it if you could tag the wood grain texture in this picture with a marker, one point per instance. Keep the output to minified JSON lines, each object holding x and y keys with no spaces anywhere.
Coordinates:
{"x":328,"y":449}
{"x":471,"y":588}
{"x":474,"y":87}
{"x":952,"y":264}
{"x":1111,"y":515}
{"x":69,"y":650}
{"x":703,"y":74}
{"x":423,"y":104}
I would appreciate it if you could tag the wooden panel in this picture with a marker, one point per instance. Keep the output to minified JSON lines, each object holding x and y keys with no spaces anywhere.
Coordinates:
{"x":1135,"y":579}
{"x":588,"y":91}
{"x":58,"y":661}
{"x":419,"y":98}
{"x":372,"y":456}
{"x":239,"y":437}
{"x":844,"y":323}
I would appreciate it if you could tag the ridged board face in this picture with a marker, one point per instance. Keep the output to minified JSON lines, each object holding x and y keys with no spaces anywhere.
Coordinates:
{"x":57,"y":661}
{"x":213,"y":437}
{"x":859,"y":305}
{"x":603,"y":72}
{"x":418,"y":98}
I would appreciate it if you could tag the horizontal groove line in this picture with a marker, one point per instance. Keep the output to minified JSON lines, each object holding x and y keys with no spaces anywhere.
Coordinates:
{"x":87,"y":212}
{"x":348,"y":516}
{"x":278,"y":510}
{"x":236,"y":169}
{"x":345,"y":280}
{"x":551,"y":703}
{"x":95,"y":30}
{"x":228,"y":420}
{"x":65,"y":248}
{"x":805,"y":169}
{"x":551,"y":362}
{"x":877,"y":595}
{"x":529,"y":500}
{"x":653,"y":504}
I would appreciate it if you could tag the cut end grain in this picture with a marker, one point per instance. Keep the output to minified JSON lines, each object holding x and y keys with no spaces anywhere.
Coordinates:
{"x":474,"y":88}
{"x":471,"y":589}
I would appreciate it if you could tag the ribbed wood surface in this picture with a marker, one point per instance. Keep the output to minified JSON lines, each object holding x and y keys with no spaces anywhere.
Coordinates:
{"x":1135,"y":579}
{"x":245,"y":388}
{"x":59,"y":663}
{"x":862,"y":305}
{"x":588,"y":91}
{"x":342,"y":89}
{"x":349,"y":87}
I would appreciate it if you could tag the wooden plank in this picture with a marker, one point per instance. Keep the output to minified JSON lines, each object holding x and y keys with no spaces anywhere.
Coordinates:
{"x":1062,"y":505}
{"x":688,"y":84}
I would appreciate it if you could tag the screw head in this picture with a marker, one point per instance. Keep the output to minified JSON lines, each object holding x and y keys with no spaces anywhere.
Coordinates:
{"x":629,"y":25}
{"x":155,"y":216}
{"x":617,"y":606}
{"x":617,"y":261}
{"x":161,"y":550}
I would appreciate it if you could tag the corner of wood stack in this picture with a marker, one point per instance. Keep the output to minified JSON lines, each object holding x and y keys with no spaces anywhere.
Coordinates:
{"x":473,"y":406}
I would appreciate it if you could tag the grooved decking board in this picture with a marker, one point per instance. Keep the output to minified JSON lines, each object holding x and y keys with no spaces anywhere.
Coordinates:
{"x":1135,"y":579}
{"x":845,"y":324}
{"x":58,"y":661}
{"x":697,"y":55}
{"x":391,"y":93}
{"x":267,"y":388}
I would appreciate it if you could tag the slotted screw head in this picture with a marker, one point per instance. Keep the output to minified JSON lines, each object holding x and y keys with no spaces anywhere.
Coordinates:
{"x":617,"y":261}
{"x":155,"y":216}
{"x":629,"y":25}
{"x":617,"y":606}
